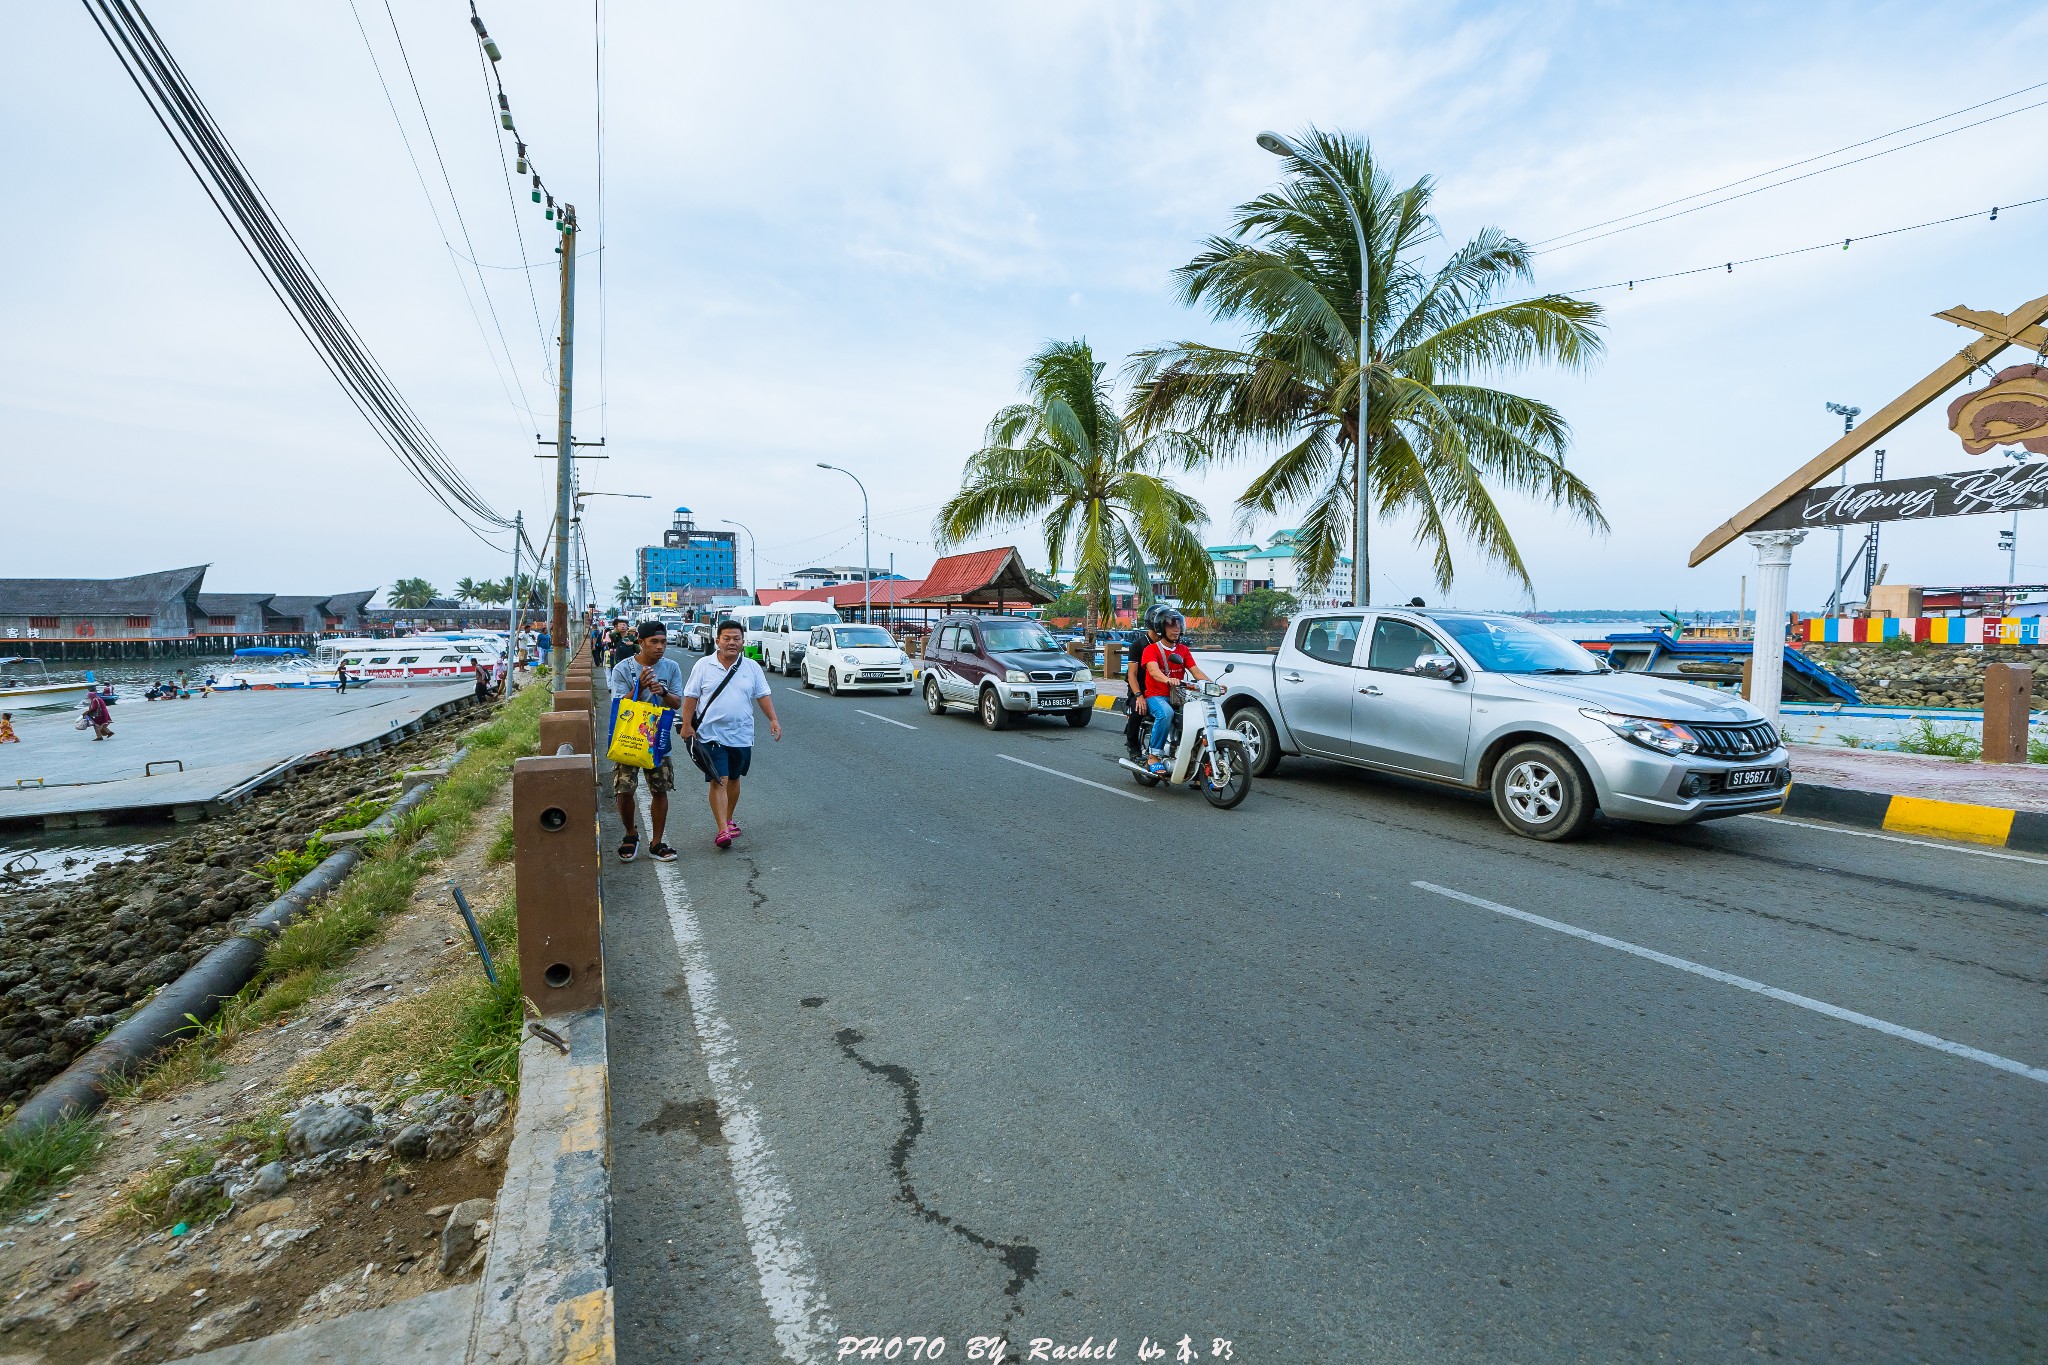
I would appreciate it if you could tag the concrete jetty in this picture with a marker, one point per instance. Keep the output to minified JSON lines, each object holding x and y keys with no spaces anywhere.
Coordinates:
{"x":186,"y":759}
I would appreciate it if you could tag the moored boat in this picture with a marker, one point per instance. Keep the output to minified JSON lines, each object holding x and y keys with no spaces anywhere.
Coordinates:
{"x":35,"y":689}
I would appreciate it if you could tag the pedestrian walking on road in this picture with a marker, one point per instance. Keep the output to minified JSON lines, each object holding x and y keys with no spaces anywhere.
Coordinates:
{"x":647,"y":675}
{"x":624,"y":644}
{"x":718,"y":712}
{"x":341,"y":678}
{"x":483,"y":679}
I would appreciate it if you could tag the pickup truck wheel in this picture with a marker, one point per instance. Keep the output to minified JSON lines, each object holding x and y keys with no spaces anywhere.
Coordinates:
{"x":933,"y":701}
{"x":1540,"y":793}
{"x":1081,"y":716}
{"x":1261,"y":742}
{"x":992,"y":713}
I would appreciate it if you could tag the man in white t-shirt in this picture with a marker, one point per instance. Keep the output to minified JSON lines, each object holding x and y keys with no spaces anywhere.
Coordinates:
{"x":724,"y":726}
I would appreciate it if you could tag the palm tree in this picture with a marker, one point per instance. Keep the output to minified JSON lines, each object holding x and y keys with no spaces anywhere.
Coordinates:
{"x":623,"y":591}
{"x":411,"y":592}
{"x":1064,"y":460}
{"x":468,"y":590}
{"x":1438,"y":445}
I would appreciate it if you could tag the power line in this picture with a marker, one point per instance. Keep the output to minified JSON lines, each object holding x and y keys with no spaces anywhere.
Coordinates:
{"x":597,"y":64}
{"x":252,"y":219}
{"x":1728,"y":267}
{"x":1544,"y":247}
{"x":521,"y":403}
{"x":518,"y":227}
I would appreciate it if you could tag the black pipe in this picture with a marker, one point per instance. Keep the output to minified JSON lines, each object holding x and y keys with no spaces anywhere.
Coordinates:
{"x":205,"y":986}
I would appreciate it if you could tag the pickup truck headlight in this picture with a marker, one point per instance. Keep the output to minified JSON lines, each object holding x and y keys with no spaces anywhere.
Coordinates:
{"x":1666,"y":737}
{"x":1015,"y":675}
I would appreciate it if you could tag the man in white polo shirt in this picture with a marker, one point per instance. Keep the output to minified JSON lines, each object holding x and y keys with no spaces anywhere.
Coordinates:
{"x":718,"y":709}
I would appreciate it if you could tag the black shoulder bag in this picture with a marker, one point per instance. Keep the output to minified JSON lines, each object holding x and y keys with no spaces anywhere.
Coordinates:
{"x":695,"y":745}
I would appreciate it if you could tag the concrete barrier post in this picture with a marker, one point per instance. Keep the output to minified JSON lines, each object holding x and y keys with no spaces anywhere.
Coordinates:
{"x":554,"y":823}
{"x":2008,"y":695}
{"x":565,"y":727}
{"x":1113,"y":659}
{"x":567,"y":700}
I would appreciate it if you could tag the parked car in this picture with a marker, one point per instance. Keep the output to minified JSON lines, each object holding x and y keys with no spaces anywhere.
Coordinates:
{"x":843,"y":658}
{"x":786,"y":630}
{"x":1494,"y":703}
{"x":1005,"y":666}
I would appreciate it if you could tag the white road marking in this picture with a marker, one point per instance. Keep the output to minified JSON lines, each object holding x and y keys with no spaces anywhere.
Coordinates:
{"x":1901,"y":839}
{"x":1128,"y":796}
{"x":789,"y":1281}
{"x":1805,"y":1002}
{"x":884,"y":719}
{"x":799,"y":692}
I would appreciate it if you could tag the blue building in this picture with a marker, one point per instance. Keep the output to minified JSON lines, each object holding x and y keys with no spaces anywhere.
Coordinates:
{"x":689,"y":558}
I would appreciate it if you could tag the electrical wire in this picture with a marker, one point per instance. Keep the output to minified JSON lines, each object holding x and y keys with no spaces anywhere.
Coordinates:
{"x":1728,"y":267}
{"x":597,"y":56}
{"x":253,"y":220}
{"x":520,"y":404}
{"x":518,"y":225}
{"x":1806,"y":161}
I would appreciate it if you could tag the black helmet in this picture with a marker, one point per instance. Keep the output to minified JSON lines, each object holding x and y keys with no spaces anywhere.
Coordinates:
{"x":1161,"y":615}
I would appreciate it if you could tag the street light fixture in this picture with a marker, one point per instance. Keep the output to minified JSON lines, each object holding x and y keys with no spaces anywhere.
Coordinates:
{"x":1361,"y":587}
{"x":867,"y":553}
{"x":753,"y":552}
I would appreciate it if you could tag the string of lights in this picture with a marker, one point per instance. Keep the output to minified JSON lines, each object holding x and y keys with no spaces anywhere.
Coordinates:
{"x":1548,"y":243}
{"x":560,"y":215}
{"x":1728,"y":267}
{"x":290,"y":277}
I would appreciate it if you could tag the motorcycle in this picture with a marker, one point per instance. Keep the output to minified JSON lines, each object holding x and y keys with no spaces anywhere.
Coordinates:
{"x":1205,"y":753}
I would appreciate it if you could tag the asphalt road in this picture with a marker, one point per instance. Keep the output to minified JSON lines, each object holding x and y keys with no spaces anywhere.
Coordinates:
{"x":952,"y":1045}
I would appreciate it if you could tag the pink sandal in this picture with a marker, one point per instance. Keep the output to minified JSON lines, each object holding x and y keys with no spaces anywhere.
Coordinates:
{"x":724,"y":838}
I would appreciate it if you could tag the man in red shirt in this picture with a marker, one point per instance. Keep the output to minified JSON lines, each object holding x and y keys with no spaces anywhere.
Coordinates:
{"x":1167,"y":661}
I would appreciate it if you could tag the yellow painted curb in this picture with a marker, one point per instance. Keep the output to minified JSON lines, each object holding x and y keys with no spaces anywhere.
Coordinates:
{"x":1949,"y":820}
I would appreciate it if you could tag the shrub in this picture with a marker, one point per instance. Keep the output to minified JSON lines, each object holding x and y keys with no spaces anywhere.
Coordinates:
{"x":1924,"y":738}
{"x":40,"y":1160}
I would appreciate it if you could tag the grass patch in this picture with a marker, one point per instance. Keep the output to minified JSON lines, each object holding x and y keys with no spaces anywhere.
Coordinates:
{"x":504,"y":842}
{"x":1924,"y":738}
{"x":37,"y":1162}
{"x":148,"y":1199}
{"x":458,"y":1036}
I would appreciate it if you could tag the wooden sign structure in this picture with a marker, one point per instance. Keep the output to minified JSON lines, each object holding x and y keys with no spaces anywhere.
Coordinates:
{"x":2008,"y":411}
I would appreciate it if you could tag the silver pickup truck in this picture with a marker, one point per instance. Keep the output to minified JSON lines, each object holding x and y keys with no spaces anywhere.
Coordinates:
{"x":1494,"y":703}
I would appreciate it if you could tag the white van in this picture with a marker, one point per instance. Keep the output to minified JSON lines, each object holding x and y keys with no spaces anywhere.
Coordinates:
{"x":788,"y":629}
{"x":753,"y":618}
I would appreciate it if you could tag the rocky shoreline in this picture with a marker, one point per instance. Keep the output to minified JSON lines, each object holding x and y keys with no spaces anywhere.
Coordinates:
{"x":76,"y":956}
{"x":1927,"y":675}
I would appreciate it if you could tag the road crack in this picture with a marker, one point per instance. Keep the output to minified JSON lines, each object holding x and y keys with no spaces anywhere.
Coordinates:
{"x":1018,"y":1257}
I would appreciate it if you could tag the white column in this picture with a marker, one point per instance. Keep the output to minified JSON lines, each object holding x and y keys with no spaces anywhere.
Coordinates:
{"x":1767,"y":656}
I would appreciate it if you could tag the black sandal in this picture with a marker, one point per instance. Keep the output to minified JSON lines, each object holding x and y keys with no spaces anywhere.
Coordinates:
{"x":662,"y":853}
{"x":629,"y":847}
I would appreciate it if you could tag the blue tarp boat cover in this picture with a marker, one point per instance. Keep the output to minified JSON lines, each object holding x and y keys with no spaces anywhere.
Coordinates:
{"x":1796,"y":660}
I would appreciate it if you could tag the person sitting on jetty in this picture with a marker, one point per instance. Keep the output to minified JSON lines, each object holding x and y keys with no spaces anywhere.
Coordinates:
{"x":7,"y":735}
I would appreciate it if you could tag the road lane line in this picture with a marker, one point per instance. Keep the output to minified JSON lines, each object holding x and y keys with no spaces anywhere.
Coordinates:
{"x":1805,"y":1002}
{"x":789,"y":1282}
{"x":799,"y":692}
{"x":1128,"y":796}
{"x":1901,"y":839}
{"x":884,"y":719}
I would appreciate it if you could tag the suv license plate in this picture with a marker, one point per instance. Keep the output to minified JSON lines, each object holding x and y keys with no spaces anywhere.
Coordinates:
{"x":1054,"y":703}
{"x":1752,"y":777}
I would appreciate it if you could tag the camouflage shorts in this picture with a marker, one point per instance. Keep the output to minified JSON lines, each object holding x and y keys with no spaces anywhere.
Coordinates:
{"x":659,"y":779}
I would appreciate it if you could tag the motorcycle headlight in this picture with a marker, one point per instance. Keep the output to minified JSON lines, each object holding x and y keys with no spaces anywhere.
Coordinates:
{"x":1666,"y":737}
{"x":1015,"y":675}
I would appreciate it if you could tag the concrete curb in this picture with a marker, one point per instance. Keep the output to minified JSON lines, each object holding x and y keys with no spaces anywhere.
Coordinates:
{"x":547,"y":1287}
{"x":2023,"y":830}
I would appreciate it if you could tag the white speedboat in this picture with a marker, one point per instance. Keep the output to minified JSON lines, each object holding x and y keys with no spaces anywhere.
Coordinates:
{"x":408,"y":659}
{"x":288,"y":669}
{"x":34,"y":689}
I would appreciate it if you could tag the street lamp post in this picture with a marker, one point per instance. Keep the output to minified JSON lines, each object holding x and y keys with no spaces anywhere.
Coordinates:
{"x":1361,"y":586}
{"x":1848,"y":416}
{"x":753,"y":553}
{"x":867,"y":553}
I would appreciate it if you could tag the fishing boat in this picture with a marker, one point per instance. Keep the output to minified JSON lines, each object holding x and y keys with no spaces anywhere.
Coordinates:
{"x":35,"y":689}
{"x":409,"y":659}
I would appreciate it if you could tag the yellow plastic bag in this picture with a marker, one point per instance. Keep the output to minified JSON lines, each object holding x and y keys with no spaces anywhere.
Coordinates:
{"x":639,"y":733}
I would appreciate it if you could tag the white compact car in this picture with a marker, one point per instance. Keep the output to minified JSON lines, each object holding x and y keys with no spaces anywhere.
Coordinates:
{"x":854,"y":658}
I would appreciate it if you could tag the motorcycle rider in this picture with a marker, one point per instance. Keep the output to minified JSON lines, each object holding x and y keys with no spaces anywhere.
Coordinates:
{"x":1137,"y":722}
{"x":1167,"y":661}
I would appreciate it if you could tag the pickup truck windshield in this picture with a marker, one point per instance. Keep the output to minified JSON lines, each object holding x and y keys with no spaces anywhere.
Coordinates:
{"x":1504,"y":645}
{"x":1015,"y":637}
{"x":864,"y":637}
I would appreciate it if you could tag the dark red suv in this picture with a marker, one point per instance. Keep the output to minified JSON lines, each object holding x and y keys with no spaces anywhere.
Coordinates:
{"x":1004,"y":666}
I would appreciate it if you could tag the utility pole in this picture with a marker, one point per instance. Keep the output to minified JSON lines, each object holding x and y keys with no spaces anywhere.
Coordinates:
{"x":565,"y":444}
{"x":512,"y":626}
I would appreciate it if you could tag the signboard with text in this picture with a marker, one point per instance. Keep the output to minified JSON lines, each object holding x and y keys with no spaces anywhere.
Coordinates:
{"x":2014,"y":488}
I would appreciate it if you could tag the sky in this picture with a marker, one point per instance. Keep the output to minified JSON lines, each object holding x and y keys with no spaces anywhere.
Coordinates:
{"x":835,"y":233}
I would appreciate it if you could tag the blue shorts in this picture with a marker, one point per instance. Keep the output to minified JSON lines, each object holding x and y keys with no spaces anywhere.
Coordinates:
{"x":728,"y":760}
